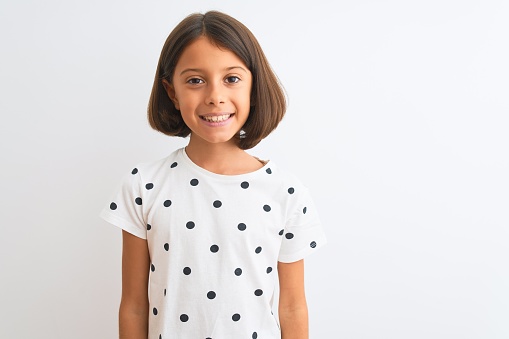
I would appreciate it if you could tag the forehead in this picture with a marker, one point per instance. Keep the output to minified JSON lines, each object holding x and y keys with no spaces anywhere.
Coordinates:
{"x":202,"y":53}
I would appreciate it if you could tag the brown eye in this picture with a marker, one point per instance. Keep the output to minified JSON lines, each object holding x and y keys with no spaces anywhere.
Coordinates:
{"x":195,"y":81}
{"x":232,"y":79}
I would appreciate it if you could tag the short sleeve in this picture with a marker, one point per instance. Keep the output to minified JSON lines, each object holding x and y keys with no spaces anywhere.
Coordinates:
{"x":125,"y":210}
{"x":303,"y":233}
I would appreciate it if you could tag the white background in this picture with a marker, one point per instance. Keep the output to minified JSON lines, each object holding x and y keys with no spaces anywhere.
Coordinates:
{"x":398,"y":123}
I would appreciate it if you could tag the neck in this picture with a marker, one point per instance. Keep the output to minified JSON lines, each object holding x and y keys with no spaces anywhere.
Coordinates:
{"x":221,"y":158}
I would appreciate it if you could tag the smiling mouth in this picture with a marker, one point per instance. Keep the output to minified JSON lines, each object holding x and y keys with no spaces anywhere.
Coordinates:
{"x":216,"y":118}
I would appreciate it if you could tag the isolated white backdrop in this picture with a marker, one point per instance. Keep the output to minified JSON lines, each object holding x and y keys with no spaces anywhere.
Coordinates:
{"x":398,"y":123}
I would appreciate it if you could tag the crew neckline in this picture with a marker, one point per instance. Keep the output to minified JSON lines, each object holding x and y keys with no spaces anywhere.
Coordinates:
{"x":195,"y":167}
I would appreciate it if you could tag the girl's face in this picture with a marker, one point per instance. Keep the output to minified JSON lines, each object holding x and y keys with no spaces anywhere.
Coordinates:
{"x":212,"y":88}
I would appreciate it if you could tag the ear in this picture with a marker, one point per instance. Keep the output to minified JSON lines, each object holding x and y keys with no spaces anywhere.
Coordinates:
{"x":170,"y":90}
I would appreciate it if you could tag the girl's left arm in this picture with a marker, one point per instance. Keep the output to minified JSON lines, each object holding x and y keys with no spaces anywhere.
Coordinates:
{"x":293,"y":311}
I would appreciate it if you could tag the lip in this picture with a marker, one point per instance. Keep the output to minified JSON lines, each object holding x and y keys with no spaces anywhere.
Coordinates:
{"x":216,"y":123}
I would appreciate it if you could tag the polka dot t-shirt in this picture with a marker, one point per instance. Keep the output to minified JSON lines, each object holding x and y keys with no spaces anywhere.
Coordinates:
{"x":214,"y":242}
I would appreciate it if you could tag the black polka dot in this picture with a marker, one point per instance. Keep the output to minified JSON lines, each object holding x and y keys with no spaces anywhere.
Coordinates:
{"x":244,"y":184}
{"x":134,"y":171}
{"x":174,"y":165}
{"x":167,"y":203}
{"x":137,"y":201}
{"x":211,"y":295}
{"x":217,"y":204}
{"x":165,"y":292}
{"x":152,"y":267}
{"x":214,"y":248}
{"x":291,"y":190}
{"x":268,"y":170}
{"x":289,"y":235}
{"x":167,"y":246}
{"x":149,"y":227}
{"x":186,"y":270}
{"x":241,"y":226}
{"x":190,"y":225}
{"x":184,"y":318}
{"x":194,"y":182}
{"x":255,"y":335}
{"x":313,"y":244}
{"x":258,"y":292}
{"x":154,"y":310}
{"x":269,"y":269}
{"x":258,"y":249}
{"x":236,"y":317}
{"x":149,"y":186}
{"x":305,"y":210}
{"x":266,"y":208}
{"x":281,"y":232}
{"x":238,"y":271}
{"x":113,"y":206}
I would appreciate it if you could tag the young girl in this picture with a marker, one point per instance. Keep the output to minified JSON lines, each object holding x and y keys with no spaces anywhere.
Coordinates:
{"x":210,"y":230}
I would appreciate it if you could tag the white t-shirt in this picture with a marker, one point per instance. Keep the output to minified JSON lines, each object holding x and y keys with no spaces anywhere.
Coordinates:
{"x":214,"y":243}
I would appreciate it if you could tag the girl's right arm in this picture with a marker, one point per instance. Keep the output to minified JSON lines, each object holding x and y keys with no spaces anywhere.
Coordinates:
{"x":133,"y":311}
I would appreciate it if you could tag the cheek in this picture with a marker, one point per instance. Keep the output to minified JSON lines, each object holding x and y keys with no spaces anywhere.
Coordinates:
{"x":247,"y":96}
{"x":186,"y":101}
{"x":188,"y":118}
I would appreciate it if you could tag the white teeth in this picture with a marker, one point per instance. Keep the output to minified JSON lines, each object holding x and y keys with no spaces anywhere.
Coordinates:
{"x":217,"y":118}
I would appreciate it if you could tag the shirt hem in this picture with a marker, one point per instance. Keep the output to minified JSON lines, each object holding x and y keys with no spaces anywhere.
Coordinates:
{"x":289,"y":258}
{"x":122,"y":224}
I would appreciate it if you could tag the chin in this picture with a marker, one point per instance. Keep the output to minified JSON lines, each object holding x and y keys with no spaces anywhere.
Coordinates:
{"x":218,"y":139}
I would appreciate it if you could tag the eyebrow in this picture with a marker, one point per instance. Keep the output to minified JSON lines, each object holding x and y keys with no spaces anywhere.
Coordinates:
{"x":200,"y":70}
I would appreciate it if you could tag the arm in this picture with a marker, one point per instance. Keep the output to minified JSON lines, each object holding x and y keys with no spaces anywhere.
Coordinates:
{"x":293,"y":311}
{"x":133,"y":311}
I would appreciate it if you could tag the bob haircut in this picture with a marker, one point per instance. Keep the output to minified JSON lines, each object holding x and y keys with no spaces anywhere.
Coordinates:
{"x":268,"y":101}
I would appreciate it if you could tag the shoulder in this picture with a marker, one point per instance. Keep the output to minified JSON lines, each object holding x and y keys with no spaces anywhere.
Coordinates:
{"x":147,"y":172}
{"x":285,"y":187}
{"x":285,"y":177}
{"x":155,"y":166}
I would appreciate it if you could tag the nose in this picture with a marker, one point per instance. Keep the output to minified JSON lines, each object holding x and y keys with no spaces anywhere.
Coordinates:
{"x":215,"y":95}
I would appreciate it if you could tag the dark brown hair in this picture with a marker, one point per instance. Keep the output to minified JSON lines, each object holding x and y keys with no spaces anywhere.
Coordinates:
{"x":268,"y":101}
